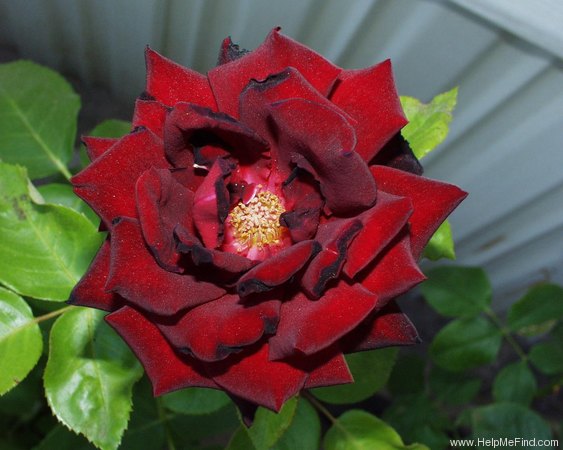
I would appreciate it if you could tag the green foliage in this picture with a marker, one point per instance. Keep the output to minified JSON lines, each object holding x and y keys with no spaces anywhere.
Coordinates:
{"x":370,"y":371}
{"x":20,"y":340}
{"x":457,"y":291}
{"x":543,"y":304}
{"x":89,"y":377}
{"x":548,"y":357}
{"x":441,"y":244}
{"x":62,"y":194}
{"x":515,"y":383}
{"x":359,"y":430}
{"x":44,"y":248}
{"x":453,"y":388}
{"x":38,"y":111}
{"x":195,"y":401}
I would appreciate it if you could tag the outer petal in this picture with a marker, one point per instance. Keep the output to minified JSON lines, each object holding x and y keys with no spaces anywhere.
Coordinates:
{"x":229,"y":51}
{"x":388,"y":327}
{"x":432,"y":201}
{"x":97,"y":146}
{"x":135,"y":275}
{"x":277,"y":269}
{"x":162,"y":204}
{"x":253,"y":377}
{"x":167,"y":370}
{"x":308,"y":326}
{"x":150,"y":114}
{"x":370,"y":97}
{"x":327,"y":369}
{"x":320,"y":141}
{"x":380,"y":224}
{"x":90,"y":290}
{"x":215,"y":330}
{"x":275,"y":54}
{"x":170,"y":83}
{"x":394,"y":271}
{"x":212,"y":203}
{"x":398,"y":154}
{"x":108,"y":184}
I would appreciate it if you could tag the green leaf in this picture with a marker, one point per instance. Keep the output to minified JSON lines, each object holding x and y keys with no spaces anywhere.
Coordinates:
{"x":111,"y":128}
{"x":370,"y":370}
{"x":441,"y":244}
{"x":359,"y":430}
{"x":548,"y":357}
{"x":541,"y":304}
{"x":62,"y":194}
{"x":453,"y":388}
{"x":21,"y":343}
{"x":428,"y":123}
{"x":268,"y":426}
{"x":407,"y":376}
{"x":89,"y":377}
{"x":509,"y":420}
{"x":466,"y":343}
{"x":515,"y":383}
{"x":62,"y":439}
{"x":195,"y":401}
{"x":457,"y":291}
{"x":44,"y":249}
{"x":38,"y":111}
{"x":26,"y":400}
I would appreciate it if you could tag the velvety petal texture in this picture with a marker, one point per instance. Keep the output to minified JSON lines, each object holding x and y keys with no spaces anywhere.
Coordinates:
{"x":261,"y":220}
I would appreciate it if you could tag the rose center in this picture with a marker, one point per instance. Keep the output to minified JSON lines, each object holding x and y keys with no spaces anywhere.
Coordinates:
{"x":257,"y":223}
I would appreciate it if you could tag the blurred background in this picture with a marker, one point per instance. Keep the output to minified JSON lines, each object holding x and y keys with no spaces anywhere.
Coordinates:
{"x":506,"y":141}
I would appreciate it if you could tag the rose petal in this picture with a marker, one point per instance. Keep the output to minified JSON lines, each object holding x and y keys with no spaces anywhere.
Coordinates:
{"x":335,"y":237}
{"x":191,"y":127}
{"x":277,"y":269}
{"x":326,"y":368}
{"x":388,"y":327}
{"x":320,"y":141}
{"x":162,"y":204}
{"x":150,"y":114}
{"x":229,"y":51}
{"x":108,"y":184}
{"x":97,"y":146}
{"x":201,"y":256}
{"x":212,"y":203}
{"x":275,"y":54}
{"x":394,"y":271}
{"x":308,"y":326}
{"x":170,"y":83}
{"x":90,"y":290}
{"x":167,"y":370}
{"x":253,"y":377}
{"x":398,"y":154}
{"x":380,"y":224}
{"x":215,"y":330}
{"x":432,"y":201}
{"x":370,"y":97}
{"x":135,"y":275}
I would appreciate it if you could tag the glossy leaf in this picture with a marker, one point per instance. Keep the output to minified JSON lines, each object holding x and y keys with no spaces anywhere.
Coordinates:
{"x":541,"y":304}
{"x":370,"y":370}
{"x":38,"y":111}
{"x":548,"y":357}
{"x":304,"y":433}
{"x":21,"y":343}
{"x":268,"y":426}
{"x":359,"y":430}
{"x":89,"y":377}
{"x":466,"y":343}
{"x":457,"y":291}
{"x":62,"y":194}
{"x":509,"y":420}
{"x":441,"y":244}
{"x":195,"y":401}
{"x":515,"y":383}
{"x":44,"y":249}
{"x":428,"y":123}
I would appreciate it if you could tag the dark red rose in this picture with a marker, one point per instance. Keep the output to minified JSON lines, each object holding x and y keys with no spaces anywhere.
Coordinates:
{"x":261,"y":220}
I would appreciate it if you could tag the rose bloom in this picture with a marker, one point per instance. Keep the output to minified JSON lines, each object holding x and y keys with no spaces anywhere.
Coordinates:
{"x":261,"y":220}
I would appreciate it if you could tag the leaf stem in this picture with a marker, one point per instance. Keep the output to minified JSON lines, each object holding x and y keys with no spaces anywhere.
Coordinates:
{"x":507,"y":335}
{"x":164,"y":419}
{"x":319,"y":406}
{"x":52,"y":314}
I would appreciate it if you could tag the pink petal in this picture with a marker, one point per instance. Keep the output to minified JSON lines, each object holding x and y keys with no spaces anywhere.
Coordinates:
{"x":308,"y":326}
{"x":275,"y":54}
{"x":167,"y":370}
{"x":135,"y":275}
{"x":90,"y":290}
{"x":370,"y":97}
{"x":170,"y":83}
{"x":432,"y":201}
{"x":216,"y":329}
{"x":108,"y":184}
